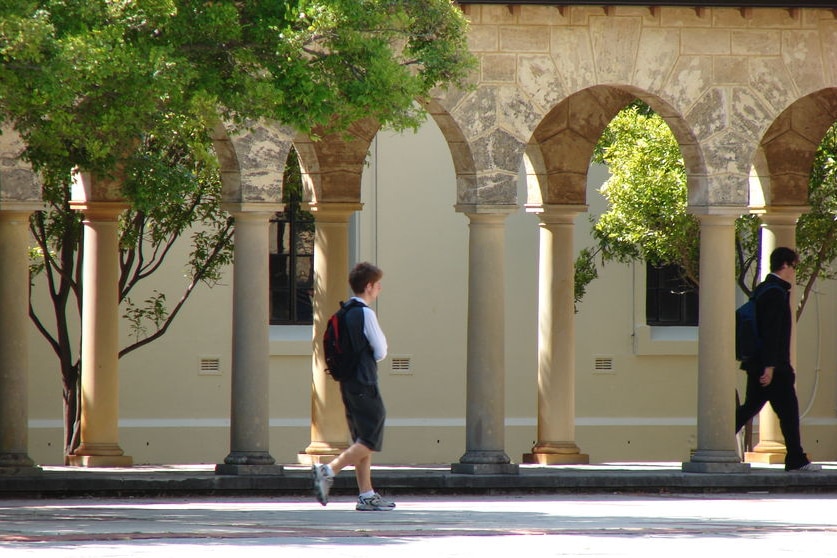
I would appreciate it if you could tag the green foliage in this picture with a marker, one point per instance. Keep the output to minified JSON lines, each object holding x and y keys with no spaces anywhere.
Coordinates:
{"x":648,"y":220}
{"x":85,"y":81}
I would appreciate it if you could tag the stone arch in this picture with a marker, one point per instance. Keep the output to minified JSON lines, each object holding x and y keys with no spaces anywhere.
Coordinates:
{"x":561,"y":146}
{"x":332,"y":164}
{"x":788,"y":148}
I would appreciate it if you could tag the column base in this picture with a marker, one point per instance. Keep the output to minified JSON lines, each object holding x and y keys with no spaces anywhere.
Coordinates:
{"x":538,"y":458}
{"x":100,"y":461}
{"x":15,"y":459}
{"x":249,"y":470}
{"x":485,"y":462}
{"x":249,"y":458}
{"x":485,"y":468}
{"x":772,"y":458}
{"x":715,"y":461}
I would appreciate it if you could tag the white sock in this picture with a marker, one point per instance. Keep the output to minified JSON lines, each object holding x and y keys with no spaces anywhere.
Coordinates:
{"x":367,"y":494}
{"x":329,"y":471}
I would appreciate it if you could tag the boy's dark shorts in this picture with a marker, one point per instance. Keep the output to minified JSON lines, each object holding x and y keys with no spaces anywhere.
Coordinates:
{"x":365,"y":413}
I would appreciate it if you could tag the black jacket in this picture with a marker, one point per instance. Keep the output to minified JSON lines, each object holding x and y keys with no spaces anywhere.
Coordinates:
{"x":367,"y":368}
{"x":774,"y":318}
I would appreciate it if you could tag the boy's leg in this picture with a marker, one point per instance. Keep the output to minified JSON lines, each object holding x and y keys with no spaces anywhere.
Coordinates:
{"x":363,"y":473}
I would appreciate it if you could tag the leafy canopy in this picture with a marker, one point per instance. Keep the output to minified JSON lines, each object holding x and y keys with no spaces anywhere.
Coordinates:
{"x":84,"y":81}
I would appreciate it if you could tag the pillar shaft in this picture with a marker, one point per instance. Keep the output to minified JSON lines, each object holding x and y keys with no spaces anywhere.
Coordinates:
{"x":99,"y":425}
{"x":250,"y":411}
{"x":329,"y":432}
{"x":778,"y":229}
{"x":556,"y":341}
{"x":715,"y":451}
{"x":14,"y":349}
{"x":485,"y":375}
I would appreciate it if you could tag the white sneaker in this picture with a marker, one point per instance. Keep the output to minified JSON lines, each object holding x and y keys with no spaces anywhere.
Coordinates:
{"x":322,"y":483}
{"x":808,"y":468}
{"x":374,"y":503}
{"x":739,"y":444}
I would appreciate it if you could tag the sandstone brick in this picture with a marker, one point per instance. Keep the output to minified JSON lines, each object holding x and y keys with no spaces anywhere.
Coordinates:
{"x":538,"y":78}
{"x":684,"y":17}
{"x":499,"y":67}
{"x":573,"y":55}
{"x":615,"y":43}
{"x":803,"y":57}
{"x":656,"y":56}
{"x":497,"y":14}
{"x":705,"y":41}
{"x":756,"y":42}
{"x":730,"y":70}
{"x":542,"y":15}
{"x":483,"y":38}
{"x":769,"y":79}
{"x":524,"y":39}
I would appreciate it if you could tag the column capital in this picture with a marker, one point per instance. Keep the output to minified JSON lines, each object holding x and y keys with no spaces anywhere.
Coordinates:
{"x":333,"y":212}
{"x":12,"y":207}
{"x":556,"y":213}
{"x":733,"y":211}
{"x":486,"y":209}
{"x":238,"y":208}
{"x":100,"y":210}
{"x":782,"y":214}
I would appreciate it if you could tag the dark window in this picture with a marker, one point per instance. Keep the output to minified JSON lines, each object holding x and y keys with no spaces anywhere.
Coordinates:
{"x":292,"y":256}
{"x":670,"y":300}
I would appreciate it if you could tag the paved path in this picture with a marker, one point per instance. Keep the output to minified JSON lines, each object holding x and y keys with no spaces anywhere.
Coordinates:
{"x":423,"y":526}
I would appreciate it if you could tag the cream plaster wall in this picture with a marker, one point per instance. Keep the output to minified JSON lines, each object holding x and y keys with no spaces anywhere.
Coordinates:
{"x":643,"y":410}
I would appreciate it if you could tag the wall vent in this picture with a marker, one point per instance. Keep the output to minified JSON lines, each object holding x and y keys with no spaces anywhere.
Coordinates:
{"x":401,"y":364}
{"x":209,"y":366}
{"x":603,"y":364}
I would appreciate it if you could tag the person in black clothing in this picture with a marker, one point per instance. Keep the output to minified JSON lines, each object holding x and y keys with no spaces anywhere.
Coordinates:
{"x":770,"y":376}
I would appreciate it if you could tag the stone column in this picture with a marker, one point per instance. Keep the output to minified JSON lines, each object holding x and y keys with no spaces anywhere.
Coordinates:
{"x":250,"y":409}
{"x":14,"y":346}
{"x":715,"y":451}
{"x":329,"y":432}
{"x":99,"y":430}
{"x":485,"y":376}
{"x":778,"y":229}
{"x":556,"y":339}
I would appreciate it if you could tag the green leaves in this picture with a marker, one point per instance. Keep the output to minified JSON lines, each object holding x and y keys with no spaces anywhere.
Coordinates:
{"x":647,"y":219}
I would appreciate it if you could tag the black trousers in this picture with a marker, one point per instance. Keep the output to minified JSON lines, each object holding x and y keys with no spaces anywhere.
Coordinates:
{"x":781,"y":394}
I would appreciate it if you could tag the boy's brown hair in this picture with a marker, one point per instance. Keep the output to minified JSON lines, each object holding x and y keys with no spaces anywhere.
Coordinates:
{"x":363,"y":274}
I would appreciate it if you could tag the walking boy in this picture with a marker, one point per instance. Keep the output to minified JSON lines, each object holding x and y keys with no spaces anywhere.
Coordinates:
{"x":770,"y":376}
{"x":365,"y":411}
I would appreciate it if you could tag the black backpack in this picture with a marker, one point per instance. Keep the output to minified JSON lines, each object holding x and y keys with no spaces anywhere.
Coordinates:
{"x":747,"y":339}
{"x":341,"y":357}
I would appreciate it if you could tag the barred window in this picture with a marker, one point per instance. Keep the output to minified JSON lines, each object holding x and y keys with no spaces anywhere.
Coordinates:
{"x":292,"y":255}
{"x":670,"y":299}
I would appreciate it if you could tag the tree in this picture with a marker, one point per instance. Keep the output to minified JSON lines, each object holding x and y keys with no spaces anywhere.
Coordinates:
{"x":647,"y":219}
{"x":132,"y":88}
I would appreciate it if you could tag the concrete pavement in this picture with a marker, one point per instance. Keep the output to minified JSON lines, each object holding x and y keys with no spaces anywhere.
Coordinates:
{"x":602,"y":525}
